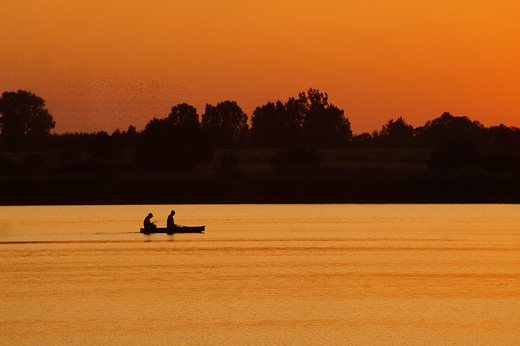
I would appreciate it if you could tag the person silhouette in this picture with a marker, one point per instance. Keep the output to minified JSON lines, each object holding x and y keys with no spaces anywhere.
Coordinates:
{"x":148,"y":224}
{"x":170,"y":223}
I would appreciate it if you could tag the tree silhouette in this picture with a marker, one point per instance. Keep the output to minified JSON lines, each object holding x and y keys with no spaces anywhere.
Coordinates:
{"x":183,"y":113}
{"x":225,"y":124}
{"x":324,"y":125}
{"x":306,"y":121}
{"x":24,"y":120}
{"x":503,"y":152}
{"x":504,"y":137}
{"x":174,"y":143}
{"x":448,"y":128}
{"x":462,"y":143}
{"x":124,"y":140}
{"x":396,"y":133}
{"x":278,"y":125}
{"x":364,"y":140}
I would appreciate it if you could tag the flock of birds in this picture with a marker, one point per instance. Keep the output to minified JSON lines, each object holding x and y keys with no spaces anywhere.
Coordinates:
{"x":82,"y":100}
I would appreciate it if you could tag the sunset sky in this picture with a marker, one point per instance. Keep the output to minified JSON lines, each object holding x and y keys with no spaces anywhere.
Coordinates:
{"x":108,"y":64}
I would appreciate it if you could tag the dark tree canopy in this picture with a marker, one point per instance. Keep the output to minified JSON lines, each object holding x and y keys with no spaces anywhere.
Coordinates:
{"x":170,"y":144}
{"x":277,"y":125}
{"x":183,"y":113}
{"x":308,"y":120}
{"x":396,"y":133}
{"x":461,"y":143}
{"x":503,"y":137}
{"x":24,"y":120}
{"x":301,"y":126}
{"x":225,"y":124}
{"x":324,"y":125}
{"x":125,"y":139}
{"x":448,"y":128}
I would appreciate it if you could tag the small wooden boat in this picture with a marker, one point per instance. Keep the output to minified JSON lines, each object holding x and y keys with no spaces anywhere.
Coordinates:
{"x":176,"y":229}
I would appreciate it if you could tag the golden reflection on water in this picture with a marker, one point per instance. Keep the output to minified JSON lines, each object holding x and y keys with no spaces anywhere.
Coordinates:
{"x":262,"y":274}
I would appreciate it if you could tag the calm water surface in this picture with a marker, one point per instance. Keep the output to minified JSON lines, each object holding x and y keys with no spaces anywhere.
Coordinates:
{"x":261,"y":275}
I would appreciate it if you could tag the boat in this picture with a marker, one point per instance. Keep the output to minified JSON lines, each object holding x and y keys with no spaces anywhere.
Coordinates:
{"x":176,"y":229}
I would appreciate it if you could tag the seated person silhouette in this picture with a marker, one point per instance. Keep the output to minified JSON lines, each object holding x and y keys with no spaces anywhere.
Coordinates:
{"x":148,"y":224}
{"x":170,"y":223}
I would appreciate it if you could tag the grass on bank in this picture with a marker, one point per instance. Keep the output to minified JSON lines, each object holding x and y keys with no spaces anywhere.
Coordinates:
{"x":249,"y":161}
{"x":345,"y":176}
{"x":258,"y":161}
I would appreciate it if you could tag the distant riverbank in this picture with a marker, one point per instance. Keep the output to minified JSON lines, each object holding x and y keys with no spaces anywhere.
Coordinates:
{"x":364,"y":185}
{"x":344,"y":176}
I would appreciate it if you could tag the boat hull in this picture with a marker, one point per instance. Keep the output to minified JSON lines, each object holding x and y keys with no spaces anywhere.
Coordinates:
{"x":178,"y":229}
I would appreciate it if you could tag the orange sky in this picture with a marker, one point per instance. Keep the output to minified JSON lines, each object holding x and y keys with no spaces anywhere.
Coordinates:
{"x":107,"y":64}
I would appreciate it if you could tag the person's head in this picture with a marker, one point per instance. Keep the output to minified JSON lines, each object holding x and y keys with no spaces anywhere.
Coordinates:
{"x":173,"y":212}
{"x":150,"y":215}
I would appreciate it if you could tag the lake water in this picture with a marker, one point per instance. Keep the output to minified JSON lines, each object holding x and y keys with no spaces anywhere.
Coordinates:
{"x":261,"y":275}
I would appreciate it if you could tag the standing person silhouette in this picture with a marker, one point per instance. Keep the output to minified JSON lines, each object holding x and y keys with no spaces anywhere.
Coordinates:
{"x":170,"y":223}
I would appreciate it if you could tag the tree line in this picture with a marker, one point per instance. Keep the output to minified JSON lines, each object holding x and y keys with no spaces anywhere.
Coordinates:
{"x":299,"y":127}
